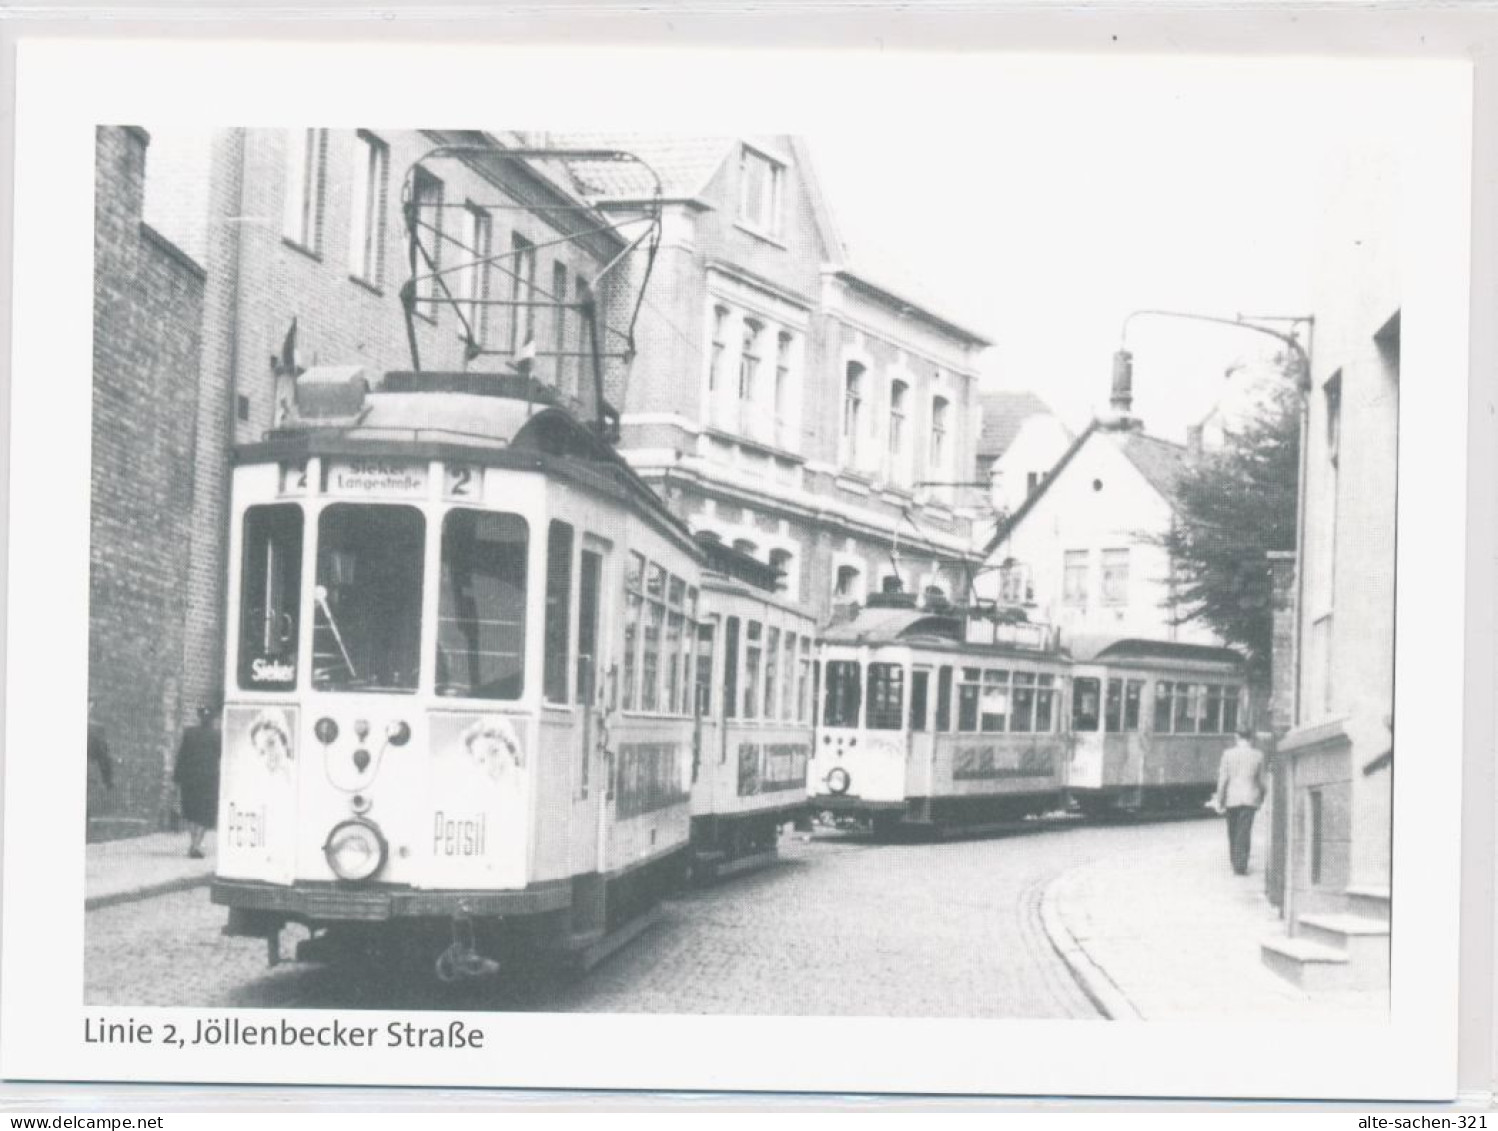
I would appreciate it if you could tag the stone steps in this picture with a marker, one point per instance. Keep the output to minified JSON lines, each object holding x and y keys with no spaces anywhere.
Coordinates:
{"x":1337,"y":950}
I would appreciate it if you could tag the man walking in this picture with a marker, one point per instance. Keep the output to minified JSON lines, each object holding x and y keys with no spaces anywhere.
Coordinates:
{"x":1240,"y":792}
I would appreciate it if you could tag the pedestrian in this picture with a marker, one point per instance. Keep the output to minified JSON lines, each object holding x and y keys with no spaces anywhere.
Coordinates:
{"x":196,"y":776}
{"x":100,"y":765}
{"x":1240,"y":792}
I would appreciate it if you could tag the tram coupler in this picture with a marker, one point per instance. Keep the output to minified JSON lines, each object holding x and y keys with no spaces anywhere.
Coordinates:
{"x":461,"y":960}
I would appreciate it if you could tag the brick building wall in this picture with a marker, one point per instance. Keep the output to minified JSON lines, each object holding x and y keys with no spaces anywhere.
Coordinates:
{"x":148,"y":300}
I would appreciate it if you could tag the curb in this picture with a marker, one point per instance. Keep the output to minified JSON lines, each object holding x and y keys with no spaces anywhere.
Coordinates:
{"x":1092,"y":978}
{"x":147,"y":891}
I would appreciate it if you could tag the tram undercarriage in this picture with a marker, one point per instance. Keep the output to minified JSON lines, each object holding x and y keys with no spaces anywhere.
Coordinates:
{"x":574,"y":924}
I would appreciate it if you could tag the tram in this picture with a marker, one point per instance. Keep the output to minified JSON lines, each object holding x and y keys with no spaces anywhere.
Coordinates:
{"x":935,"y":719}
{"x":459,"y":707}
{"x":754,"y":671}
{"x":1150,"y":720}
{"x":938,"y":719}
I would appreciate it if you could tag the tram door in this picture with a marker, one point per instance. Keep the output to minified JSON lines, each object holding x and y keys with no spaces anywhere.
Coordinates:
{"x":1086,"y":770}
{"x":593,"y":781}
{"x":920,"y":774}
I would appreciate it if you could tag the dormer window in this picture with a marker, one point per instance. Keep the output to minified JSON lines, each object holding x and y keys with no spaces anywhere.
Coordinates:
{"x":760,"y":191}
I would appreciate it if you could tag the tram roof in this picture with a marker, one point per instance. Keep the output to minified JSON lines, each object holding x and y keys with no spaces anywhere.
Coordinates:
{"x":875,"y":624}
{"x":1089,"y":648}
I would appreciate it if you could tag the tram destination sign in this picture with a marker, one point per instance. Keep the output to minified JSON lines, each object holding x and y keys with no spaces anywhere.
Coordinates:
{"x":377,"y":478}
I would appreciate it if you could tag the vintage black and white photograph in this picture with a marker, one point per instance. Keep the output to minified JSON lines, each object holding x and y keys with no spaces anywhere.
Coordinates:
{"x":940,"y":567}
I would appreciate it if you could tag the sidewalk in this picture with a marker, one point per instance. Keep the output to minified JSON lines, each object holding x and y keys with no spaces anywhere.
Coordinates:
{"x":1164,"y":931}
{"x":119,"y":871}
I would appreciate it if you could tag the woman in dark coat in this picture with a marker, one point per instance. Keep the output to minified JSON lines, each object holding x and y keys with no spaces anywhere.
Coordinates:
{"x":197,"y":777}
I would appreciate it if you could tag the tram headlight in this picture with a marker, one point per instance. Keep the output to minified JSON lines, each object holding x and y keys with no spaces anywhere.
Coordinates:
{"x":398,"y":733}
{"x":355,"y":850}
{"x":326,"y":731}
{"x":838,"y":780}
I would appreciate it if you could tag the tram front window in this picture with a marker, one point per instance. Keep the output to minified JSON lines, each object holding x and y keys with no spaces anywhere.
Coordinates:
{"x":270,"y":597}
{"x":367,"y":626}
{"x":481,"y":622}
{"x":842,"y":695}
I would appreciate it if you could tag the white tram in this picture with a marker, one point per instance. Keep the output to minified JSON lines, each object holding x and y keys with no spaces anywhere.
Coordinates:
{"x":1149,"y":721}
{"x":934,"y":718}
{"x":755,"y":664}
{"x":459,"y":703}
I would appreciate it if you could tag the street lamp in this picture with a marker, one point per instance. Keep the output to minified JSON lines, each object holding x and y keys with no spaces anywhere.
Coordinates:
{"x":1123,"y":373}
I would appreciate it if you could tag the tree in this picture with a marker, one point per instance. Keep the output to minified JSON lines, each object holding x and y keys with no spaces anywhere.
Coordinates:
{"x":1233,"y":506}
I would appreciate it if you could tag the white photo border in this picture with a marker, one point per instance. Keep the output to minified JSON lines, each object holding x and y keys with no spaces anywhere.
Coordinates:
{"x":243,"y":83}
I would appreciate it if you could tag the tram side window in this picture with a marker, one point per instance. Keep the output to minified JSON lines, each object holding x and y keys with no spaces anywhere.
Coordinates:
{"x":270,"y":597}
{"x":919,"y":682}
{"x":886,"y":710}
{"x":1164,"y":691}
{"x":1133,"y":694}
{"x":788,"y":678}
{"x":705,"y":633}
{"x":558,"y":630}
{"x":1045,"y":705}
{"x":655,"y":626}
{"x":1085,"y":715}
{"x":675,"y":659}
{"x":481,"y":615}
{"x":688,"y":652}
{"x":754,"y":653}
{"x":634,"y":609}
{"x":967,"y":700}
{"x":1023,"y":717}
{"x":842,"y":682}
{"x":944,"y":699}
{"x":772,"y":671}
{"x":1186,"y":702}
{"x":731,"y":669}
{"x":367,"y":626}
{"x":995,"y":701}
{"x":1230,"y":709}
{"x":1113,"y":707}
{"x":804,"y":692}
{"x":1212,"y":716}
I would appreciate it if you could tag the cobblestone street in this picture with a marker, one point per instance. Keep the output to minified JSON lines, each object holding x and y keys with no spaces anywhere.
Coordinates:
{"x":839,"y":926}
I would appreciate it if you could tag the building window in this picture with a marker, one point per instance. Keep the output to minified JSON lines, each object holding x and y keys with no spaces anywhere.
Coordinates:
{"x":367,"y":229}
{"x":783,"y":388}
{"x":897,"y":394}
{"x":426,"y":196}
{"x":1115,"y":577}
{"x":846,"y":586}
{"x":749,"y":367}
{"x":781,"y":560}
{"x":939,"y":408}
{"x":471,"y":287}
{"x":719,"y":349}
{"x":242,"y":406}
{"x":852,"y":411}
{"x":1332,"y":391}
{"x":760,"y":188}
{"x":745,"y":546}
{"x":306,"y":150}
{"x":522,"y":292}
{"x":1074,"y":577}
{"x":1015,"y":586}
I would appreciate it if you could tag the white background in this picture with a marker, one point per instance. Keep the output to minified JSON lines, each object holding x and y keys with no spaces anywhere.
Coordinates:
{"x":66,"y":88}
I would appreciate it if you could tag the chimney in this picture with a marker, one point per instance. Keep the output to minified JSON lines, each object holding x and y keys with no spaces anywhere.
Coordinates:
{"x":1122,"y":399}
